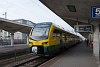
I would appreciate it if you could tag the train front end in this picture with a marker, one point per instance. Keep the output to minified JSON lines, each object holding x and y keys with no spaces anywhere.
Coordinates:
{"x":38,"y":39}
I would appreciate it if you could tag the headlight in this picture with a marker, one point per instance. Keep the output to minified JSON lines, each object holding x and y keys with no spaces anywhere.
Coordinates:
{"x":34,"y":50}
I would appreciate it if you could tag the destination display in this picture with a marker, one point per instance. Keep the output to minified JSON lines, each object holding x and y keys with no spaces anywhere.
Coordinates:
{"x":83,"y":28}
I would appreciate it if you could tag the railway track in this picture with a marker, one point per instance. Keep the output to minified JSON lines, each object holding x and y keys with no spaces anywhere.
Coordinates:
{"x":10,"y":62}
{"x":28,"y":60}
{"x":34,"y":62}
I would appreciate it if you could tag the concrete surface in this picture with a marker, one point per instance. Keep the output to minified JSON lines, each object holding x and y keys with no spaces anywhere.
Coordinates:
{"x":78,"y":56}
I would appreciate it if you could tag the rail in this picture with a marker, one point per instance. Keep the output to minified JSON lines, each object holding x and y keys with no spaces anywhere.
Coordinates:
{"x":34,"y":62}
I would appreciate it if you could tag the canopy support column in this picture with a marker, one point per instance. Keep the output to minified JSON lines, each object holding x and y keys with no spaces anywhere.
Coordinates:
{"x":96,"y":41}
{"x":12,"y":39}
{"x":27,"y":39}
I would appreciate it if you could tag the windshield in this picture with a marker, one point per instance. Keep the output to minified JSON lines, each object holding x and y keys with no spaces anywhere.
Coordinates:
{"x":40,"y":32}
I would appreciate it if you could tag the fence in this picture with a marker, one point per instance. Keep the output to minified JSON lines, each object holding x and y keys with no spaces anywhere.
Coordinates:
{"x":16,"y":41}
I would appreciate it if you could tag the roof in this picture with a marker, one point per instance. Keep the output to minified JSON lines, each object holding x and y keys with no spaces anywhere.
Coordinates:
{"x":12,"y":26}
{"x":82,"y":14}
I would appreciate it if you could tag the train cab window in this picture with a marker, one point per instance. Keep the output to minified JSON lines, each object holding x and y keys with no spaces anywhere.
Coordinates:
{"x":40,"y":32}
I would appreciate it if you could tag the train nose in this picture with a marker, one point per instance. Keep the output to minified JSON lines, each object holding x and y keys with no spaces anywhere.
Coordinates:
{"x":34,"y":49}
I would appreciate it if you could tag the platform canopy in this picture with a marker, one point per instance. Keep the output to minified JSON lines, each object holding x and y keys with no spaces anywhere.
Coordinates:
{"x":11,"y":26}
{"x":73,"y":11}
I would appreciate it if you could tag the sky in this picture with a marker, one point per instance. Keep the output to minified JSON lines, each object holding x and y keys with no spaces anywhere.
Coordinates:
{"x":32,"y":10}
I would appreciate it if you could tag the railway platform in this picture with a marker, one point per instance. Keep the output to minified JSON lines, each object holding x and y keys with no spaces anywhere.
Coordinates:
{"x":77,"y":56}
{"x":8,"y":51}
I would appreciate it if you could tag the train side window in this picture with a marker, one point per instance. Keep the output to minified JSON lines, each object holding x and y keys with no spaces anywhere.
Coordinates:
{"x":56,"y":33}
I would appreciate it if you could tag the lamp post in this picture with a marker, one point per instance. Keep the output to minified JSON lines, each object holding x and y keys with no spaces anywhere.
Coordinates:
{"x":5,"y":14}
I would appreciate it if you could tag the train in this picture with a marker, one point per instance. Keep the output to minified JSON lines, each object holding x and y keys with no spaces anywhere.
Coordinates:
{"x":47,"y":39}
